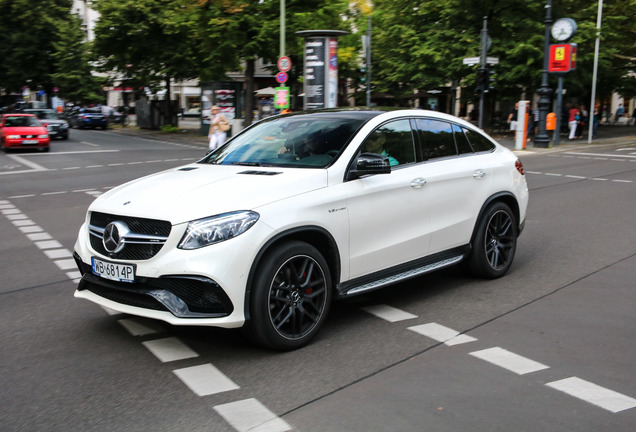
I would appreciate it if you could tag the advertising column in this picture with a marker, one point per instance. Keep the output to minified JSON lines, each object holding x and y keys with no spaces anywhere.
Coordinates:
{"x":321,"y":68}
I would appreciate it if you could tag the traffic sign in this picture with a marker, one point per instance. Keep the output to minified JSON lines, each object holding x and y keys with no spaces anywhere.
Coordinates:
{"x":284,"y":64}
{"x":281,"y":77}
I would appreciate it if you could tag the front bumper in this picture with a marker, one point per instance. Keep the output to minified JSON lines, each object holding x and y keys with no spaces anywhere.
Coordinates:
{"x":19,"y":143}
{"x":184,"y":296}
{"x":202,"y":287}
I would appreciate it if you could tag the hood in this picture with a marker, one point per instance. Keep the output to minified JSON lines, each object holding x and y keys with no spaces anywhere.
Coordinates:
{"x":196,"y":191}
{"x":52,"y":121}
{"x":25,"y":130}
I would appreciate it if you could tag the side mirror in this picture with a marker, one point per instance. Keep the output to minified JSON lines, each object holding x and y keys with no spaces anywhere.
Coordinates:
{"x":369,"y":164}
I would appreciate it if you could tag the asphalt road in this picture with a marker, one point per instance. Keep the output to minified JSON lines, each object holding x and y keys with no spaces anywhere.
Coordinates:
{"x":549,"y":347}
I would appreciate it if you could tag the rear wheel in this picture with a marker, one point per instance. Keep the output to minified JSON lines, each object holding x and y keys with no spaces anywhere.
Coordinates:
{"x":495,"y":242}
{"x":290,"y":297}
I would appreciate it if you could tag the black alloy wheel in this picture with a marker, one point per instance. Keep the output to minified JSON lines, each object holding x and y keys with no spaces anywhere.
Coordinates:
{"x":495,"y":242}
{"x":290,"y":298}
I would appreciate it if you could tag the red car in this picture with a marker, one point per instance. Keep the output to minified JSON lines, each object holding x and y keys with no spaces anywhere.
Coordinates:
{"x":23,"y":131}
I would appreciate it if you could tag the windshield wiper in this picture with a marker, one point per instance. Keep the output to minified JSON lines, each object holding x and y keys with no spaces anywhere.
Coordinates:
{"x":257,"y":164}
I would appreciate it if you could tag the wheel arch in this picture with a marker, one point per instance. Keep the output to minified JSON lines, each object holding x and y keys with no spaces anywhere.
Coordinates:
{"x":505,"y":197}
{"x":316,"y":236}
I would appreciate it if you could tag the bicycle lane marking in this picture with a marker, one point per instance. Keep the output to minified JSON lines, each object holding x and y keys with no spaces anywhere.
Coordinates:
{"x":203,"y":379}
{"x":576,"y":387}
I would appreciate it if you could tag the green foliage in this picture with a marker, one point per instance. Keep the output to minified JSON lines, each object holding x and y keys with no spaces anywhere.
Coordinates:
{"x":28,"y":32}
{"x":73,"y":75}
{"x":421,"y":44}
{"x":147,"y":41}
{"x":169,"y":129}
{"x":418,"y":45}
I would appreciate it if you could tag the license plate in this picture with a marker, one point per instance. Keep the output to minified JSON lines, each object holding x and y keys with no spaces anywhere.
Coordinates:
{"x":113,"y":271}
{"x":29,"y":141}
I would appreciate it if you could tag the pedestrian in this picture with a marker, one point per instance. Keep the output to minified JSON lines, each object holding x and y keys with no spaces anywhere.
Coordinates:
{"x":512,"y":119}
{"x":596,"y":120}
{"x":580,"y":126}
{"x":218,"y":128}
{"x":619,"y":112}
{"x":634,"y":117}
{"x":573,"y":115}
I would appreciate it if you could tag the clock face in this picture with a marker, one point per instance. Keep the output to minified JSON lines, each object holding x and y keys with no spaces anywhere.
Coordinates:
{"x":563,"y":29}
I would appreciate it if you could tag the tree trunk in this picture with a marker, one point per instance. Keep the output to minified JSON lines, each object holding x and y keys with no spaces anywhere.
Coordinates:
{"x":249,"y":91}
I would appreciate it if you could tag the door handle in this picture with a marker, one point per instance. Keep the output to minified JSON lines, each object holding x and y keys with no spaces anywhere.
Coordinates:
{"x":418,"y":183}
{"x":479,"y":174}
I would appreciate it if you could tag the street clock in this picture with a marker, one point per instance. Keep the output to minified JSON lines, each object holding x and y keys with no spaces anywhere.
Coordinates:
{"x":563,"y":29}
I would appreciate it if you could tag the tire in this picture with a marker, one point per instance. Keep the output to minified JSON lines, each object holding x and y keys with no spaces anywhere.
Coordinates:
{"x":495,"y":242}
{"x":290,"y":297}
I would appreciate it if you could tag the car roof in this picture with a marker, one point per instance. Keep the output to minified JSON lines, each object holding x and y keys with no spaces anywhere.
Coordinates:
{"x":18,"y":115}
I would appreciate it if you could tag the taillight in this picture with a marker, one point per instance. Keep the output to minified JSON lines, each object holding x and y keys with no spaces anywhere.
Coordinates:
{"x":519,"y":167}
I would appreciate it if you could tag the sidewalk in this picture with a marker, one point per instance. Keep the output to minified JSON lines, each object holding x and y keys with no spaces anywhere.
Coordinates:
{"x":606,"y":134}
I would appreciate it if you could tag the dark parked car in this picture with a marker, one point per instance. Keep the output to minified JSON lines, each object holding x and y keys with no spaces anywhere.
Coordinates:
{"x":57,"y":127}
{"x":88,"y":118}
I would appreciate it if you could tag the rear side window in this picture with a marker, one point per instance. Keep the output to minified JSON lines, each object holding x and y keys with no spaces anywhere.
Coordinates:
{"x":437,"y":138}
{"x":479,"y":142}
{"x":463,"y":146}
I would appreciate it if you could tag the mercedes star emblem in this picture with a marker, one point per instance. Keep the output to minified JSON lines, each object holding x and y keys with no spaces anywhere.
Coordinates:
{"x":115,"y":236}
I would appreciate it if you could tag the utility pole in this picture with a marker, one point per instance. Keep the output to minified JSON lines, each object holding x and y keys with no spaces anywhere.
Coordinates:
{"x":482,"y":68}
{"x":282,"y":28}
{"x":542,"y":139}
{"x":599,"y":16}
{"x":368,"y":62}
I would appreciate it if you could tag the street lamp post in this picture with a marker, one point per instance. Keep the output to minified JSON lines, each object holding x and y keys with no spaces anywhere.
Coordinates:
{"x":542,"y":139}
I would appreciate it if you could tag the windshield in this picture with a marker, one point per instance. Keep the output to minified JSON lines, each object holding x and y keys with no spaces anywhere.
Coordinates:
{"x":46,"y":115}
{"x":304,"y":140}
{"x":21,"y":121}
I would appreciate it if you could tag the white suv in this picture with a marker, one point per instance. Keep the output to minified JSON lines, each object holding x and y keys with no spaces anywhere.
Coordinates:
{"x":298,"y":210}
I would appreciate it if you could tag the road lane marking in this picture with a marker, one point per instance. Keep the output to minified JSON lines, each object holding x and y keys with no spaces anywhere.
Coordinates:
{"x":169,"y":349}
{"x":205,"y":380}
{"x":388,"y":313}
{"x":594,"y":394}
{"x":597,"y":154}
{"x":578,"y":177}
{"x":48,"y":244}
{"x":509,"y":360}
{"x":140,"y":326}
{"x":32,"y":165}
{"x":73,"y":152}
{"x":250,"y":415}
{"x":442,"y":333}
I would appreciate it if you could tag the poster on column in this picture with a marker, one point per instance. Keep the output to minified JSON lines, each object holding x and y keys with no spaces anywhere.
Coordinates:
{"x":315,"y":73}
{"x":332,"y":99}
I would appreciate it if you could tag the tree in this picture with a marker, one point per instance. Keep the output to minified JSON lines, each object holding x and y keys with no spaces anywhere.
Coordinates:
{"x":149,"y":42}
{"x":238,"y":32}
{"x":28,"y":32}
{"x":73,"y":73}
{"x":420,"y":45}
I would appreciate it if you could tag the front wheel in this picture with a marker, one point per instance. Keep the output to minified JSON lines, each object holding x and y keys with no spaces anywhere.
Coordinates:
{"x":495,"y":242}
{"x":290,"y":297}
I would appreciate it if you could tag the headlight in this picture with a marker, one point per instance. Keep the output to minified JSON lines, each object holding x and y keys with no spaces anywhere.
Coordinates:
{"x":43,"y":136}
{"x":13,"y":136}
{"x":215,"y":229}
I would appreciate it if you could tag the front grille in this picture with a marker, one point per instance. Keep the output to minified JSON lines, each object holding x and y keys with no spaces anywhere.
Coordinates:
{"x":183,"y":296}
{"x":138,"y":251}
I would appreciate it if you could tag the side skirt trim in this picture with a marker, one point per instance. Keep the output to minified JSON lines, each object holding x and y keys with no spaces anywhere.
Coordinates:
{"x":365,"y":284}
